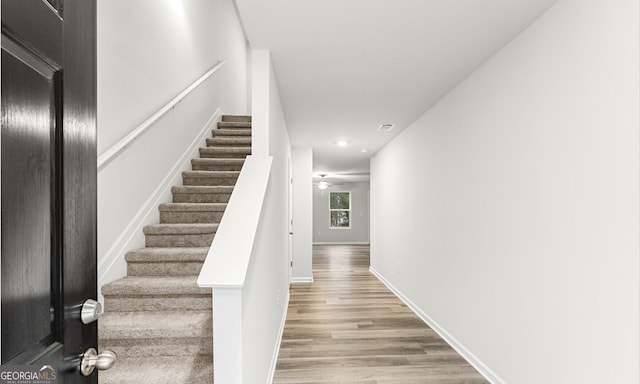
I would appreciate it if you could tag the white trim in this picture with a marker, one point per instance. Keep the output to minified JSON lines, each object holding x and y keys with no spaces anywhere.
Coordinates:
{"x":299,"y":280}
{"x":341,"y":243}
{"x":481,"y":367}
{"x":276,"y":352}
{"x":112,"y":152}
{"x":147,"y":213}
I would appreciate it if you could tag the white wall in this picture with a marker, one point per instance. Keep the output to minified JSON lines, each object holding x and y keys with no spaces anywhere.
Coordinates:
{"x":517,"y":231}
{"x":265,"y":295}
{"x":149,"y":52}
{"x":359,"y":231}
{"x":302,"y":159}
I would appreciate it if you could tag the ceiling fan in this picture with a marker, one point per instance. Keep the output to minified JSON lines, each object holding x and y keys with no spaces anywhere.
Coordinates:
{"x":323,"y":183}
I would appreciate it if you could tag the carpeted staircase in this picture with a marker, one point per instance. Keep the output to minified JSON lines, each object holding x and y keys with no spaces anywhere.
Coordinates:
{"x":157,"y":320}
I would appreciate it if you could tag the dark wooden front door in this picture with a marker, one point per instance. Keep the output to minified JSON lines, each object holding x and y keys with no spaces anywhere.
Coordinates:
{"x":48,"y":161}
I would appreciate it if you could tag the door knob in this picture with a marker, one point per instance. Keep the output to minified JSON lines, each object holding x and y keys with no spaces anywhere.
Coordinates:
{"x":92,"y":360}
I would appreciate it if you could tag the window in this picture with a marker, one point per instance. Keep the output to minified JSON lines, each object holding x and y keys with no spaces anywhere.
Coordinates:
{"x":340,"y":209}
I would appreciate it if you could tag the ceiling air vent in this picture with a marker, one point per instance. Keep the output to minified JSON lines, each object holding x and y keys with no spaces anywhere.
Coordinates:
{"x":386,"y":127}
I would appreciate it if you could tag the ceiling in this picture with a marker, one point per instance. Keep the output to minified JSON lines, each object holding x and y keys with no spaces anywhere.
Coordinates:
{"x":344,"y":67}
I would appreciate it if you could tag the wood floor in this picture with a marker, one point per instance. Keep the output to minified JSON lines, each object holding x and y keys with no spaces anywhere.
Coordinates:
{"x":347,"y":327}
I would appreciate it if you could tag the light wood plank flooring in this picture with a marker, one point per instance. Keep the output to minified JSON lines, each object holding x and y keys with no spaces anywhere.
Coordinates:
{"x":347,"y":327}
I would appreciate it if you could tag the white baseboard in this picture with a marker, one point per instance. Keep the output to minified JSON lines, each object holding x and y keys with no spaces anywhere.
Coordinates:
{"x":129,"y":238}
{"x":481,"y":367}
{"x":295,"y":280}
{"x":276,"y":352}
{"x":340,"y":243}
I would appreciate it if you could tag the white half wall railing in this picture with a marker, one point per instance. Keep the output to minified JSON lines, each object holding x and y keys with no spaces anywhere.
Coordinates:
{"x":227,"y":264}
{"x":113,"y":151}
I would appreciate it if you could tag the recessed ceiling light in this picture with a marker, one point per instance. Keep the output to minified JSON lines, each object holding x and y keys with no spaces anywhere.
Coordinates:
{"x":342,"y":143}
{"x":363,"y":150}
{"x":386,"y":127}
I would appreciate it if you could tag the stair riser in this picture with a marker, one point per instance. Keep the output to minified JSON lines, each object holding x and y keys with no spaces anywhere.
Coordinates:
{"x":229,"y":142}
{"x":164,"y":269}
{"x":216,"y":167}
{"x":160,"y":347}
{"x":209,"y":181}
{"x":214,"y":153}
{"x":201,"y":197}
{"x":235,"y":132}
{"x":198,"y":240}
{"x":235,"y":118}
{"x":162,"y":303}
{"x":174,"y":217}
{"x":234,"y":125}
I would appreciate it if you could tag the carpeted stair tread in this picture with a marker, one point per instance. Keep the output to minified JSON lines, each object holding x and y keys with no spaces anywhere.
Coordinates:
{"x":161,"y":255}
{"x":192,"y":207}
{"x":234,"y":124}
{"x":221,"y":164}
{"x":202,"y":194}
{"x":154,"y":286}
{"x":161,"y":261}
{"x":210,"y":174}
{"x":218,"y":132}
{"x":157,"y":293}
{"x":179,"y":235}
{"x":225,"y":152}
{"x":236,"y":118}
{"x":203,"y":189}
{"x":210,"y":177}
{"x":191,"y":212}
{"x":152,"y":325}
{"x":179,"y":229}
{"x":229,"y":141}
{"x":160,"y":370}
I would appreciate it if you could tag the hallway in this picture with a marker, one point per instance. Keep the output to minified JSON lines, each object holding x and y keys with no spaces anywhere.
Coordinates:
{"x":347,"y":327}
